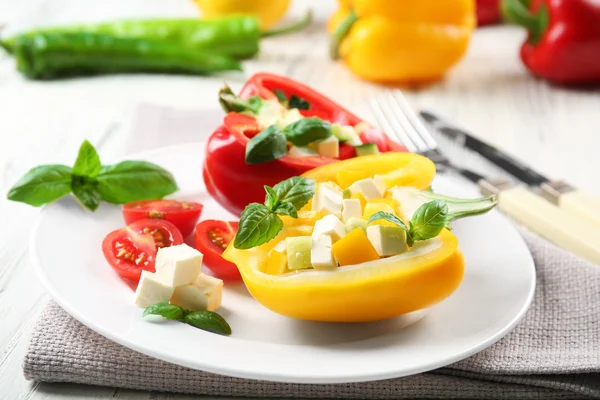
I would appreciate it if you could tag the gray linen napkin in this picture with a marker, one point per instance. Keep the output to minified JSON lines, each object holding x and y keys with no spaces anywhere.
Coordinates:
{"x":554,"y":353}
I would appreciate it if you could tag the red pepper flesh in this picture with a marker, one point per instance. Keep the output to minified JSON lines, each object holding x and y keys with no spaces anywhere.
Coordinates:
{"x":235,"y":184}
{"x":488,"y":12}
{"x":564,"y":38}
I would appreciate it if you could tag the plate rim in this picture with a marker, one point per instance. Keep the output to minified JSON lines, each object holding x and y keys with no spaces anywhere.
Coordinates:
{"x":239,"y":372}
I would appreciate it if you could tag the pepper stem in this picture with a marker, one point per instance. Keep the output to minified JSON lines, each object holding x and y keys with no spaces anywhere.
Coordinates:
{"x":340,"y":33}
{"x":296,"y":26}
{"x":470,"y":207}
{"x":518,"y":12}
{"x":460,"y":208}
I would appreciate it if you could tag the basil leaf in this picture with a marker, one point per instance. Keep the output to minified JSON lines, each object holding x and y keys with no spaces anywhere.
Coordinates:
{"x":272,"y":199}
{"x":87,"y":194}
{"x":165,"y":310}
{"x":307,"y":130}
{"x":208,"y":321}
{"x":388,"y":217}
{"x":287,"y":209}
{"x":257,"y":225}
{"x":296,"y":190}
{"x":428,"y":221}
{"x":88,"y":161}
{"x":42,"y":185}
{"x":281,"y":96}
{"x":298,"y":102}
{"x":134,"y":180}
{"x":267,"y":146}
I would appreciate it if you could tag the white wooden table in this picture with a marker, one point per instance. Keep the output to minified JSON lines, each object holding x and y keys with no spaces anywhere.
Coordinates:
{"x":556,"y":130}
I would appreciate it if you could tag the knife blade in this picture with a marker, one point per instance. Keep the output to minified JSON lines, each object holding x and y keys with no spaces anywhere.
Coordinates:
{"x":560,"y":193}
{"x":508,"y":163}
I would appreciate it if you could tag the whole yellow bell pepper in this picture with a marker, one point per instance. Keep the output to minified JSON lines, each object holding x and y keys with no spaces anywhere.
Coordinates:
{"x":370,"y":291}
{"x":268,"y":12}
{"x":401,"y":41}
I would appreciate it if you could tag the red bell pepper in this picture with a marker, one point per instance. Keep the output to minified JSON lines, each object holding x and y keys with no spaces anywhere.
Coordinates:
{"x":488,"y":12}
{"x":235,"y":184}
{"x":564,"y":38}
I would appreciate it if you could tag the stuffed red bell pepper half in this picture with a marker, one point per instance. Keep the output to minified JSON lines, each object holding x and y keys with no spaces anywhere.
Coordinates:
{"x":563,"y":45}
{"x":277,"y":128}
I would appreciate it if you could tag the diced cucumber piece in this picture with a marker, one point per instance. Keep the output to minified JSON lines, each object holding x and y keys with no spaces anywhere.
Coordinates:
{"x":387,"y":240}
{"x":354,"y":223}
{"x":346,"y":134}
{"x":366,"y":149}
{"x":298,"y":252}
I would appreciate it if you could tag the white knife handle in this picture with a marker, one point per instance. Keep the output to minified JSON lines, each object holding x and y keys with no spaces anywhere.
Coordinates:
{"x":582,"y":204}
{"x":560,"y":227}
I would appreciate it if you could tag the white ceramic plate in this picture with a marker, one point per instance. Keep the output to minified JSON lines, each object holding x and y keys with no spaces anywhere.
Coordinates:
{"x":497,"y":289}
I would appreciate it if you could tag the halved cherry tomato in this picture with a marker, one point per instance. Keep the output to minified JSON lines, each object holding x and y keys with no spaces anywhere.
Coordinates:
{"x":212,"y":238}
{"x":183,"y":214}
{"x":133,"y":249}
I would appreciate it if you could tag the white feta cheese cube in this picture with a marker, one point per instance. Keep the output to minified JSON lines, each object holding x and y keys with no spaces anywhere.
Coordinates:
{"x":289,"y":118}
{"x":370,"y":188}
{"x":300,"y":151}
{"x":321,"y":256}
{"x":151,"y":289}
{"x":329,"y":147}
{"x":270,"y":112}
{"x":380,"y":183}
{"x":387,"y":240}
{"x":329,"y":225}
{"x":178,"y":265}
{"x":328,"y":199}
{"x":204,"y":294}
{"x":351,"y":208}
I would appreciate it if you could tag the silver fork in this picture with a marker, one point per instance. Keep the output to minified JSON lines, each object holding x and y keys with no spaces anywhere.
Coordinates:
{"x":395,"y":116}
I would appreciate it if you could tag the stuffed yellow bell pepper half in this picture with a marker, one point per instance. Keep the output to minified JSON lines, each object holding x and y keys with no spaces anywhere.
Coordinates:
{"x":358,"y":240}
{"x":400,"y":41}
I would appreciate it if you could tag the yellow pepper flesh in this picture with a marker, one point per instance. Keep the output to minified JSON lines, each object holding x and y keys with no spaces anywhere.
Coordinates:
{"x":354,"y":248}
{"x":368,"y":291}
{"x":399,"y":41}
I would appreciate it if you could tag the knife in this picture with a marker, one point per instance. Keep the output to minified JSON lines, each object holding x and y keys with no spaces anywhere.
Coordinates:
{"x":559,"y":193}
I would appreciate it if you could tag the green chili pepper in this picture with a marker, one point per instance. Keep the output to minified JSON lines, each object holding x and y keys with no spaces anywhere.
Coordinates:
{"x":53,"y":55}
{"x":235,"y":36}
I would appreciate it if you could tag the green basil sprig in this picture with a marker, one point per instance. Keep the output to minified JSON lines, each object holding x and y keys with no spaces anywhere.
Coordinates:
{"x":259,"y":223}
{"x":307,"y":130}
{"x":293,"y":102}
{"x":271,"y":143}
{"x":268,"y":145}
{"x":426,"y":223}
{"x":91,"y":182}
{"x":205,"y":320}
